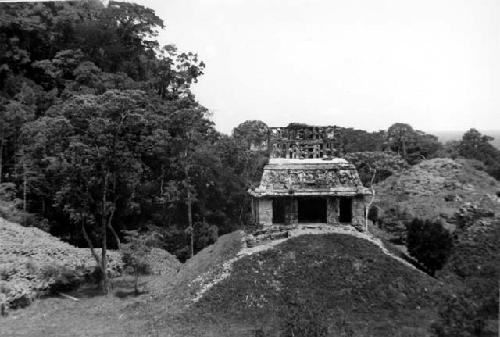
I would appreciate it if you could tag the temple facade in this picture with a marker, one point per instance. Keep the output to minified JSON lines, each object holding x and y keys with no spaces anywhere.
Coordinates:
{"x":305,"y":181}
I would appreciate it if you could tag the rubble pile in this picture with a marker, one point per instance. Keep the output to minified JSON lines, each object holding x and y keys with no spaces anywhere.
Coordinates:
{"x":33,"y":261}
{"x":434,"y":189}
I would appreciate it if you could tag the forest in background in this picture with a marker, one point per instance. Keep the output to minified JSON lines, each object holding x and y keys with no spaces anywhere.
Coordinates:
{"x":100,"y":133}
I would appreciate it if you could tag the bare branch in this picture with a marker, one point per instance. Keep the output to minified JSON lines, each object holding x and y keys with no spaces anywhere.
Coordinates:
{"x":367,"y":210}
{"x":110,"y":226}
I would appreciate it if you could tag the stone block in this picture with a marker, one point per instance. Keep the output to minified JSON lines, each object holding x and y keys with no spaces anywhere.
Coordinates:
{"x":332,"y":210}
{"x":266,"y":211}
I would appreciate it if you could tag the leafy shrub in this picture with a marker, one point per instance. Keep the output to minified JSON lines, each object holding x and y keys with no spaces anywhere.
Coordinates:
{"x":61,"y":278}
{"x":135,"y":253}
{"x":430,"y":243}
{"x":7,"y":191}
{"x":67,"y":279}
{"x":385,"y":163}
{"x":34,"y":220}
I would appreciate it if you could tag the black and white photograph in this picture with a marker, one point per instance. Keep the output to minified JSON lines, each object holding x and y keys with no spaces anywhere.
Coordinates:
{"x":253,"y":168}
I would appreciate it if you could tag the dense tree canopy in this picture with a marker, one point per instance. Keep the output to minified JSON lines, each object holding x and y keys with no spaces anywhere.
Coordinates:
{"x":412,"y":145}
{"x":474,"y":145}
{"x":100,"y":132}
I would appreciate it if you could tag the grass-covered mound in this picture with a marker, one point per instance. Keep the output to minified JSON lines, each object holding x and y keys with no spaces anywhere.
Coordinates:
{"x":198,"y":271}
{"x":333,"y":282}
{"x":209,"y":258}
{"x":434,"y":189}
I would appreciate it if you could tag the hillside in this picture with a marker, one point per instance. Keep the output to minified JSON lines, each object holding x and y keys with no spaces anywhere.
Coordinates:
{"x":435,"y":188}
{"x":333,"y":281}
{"x":467,"y":200}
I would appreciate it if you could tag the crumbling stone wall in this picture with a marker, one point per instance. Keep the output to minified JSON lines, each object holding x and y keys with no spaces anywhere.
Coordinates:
{"x":332,"y":211}
{"x":302,"y":178}
{"x":358,"y":213}
{"x":303,"y":141}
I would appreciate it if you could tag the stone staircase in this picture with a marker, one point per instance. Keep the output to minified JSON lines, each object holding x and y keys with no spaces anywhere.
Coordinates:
{"x":278,"y":232}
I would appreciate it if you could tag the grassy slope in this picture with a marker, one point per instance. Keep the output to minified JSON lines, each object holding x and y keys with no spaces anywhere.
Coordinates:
{"x":93,"y":315}
{"x":473,"y":268}
{"x":338,"y":275}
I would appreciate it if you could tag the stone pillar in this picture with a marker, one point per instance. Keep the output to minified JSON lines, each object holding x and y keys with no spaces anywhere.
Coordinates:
{"x":358,"y":213}
{"x":266,"y":211}
{"x":255,"y":207}
{"x":332,"y":210}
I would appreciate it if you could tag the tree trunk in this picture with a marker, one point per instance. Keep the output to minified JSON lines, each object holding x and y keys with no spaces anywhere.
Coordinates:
{"x":110,"y":226}
{"x":104,"y":281}
{"x":104,"y":264}
{"x":91,"y":246}
{"x":190,"y":220}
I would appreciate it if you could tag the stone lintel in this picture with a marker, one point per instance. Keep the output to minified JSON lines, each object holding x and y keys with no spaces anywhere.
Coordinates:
{"x":304,"y":193}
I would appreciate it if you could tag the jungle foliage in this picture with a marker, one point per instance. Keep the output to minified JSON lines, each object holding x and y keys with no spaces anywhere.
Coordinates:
{"x":100,"y":132}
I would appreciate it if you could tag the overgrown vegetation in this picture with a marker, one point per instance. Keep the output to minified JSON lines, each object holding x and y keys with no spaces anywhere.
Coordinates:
{"x":100,"y":135}
{"x":135,"y":254}
{"x":430,"y":243}
{"x":475,"y":145}
{"x":100,"y":132}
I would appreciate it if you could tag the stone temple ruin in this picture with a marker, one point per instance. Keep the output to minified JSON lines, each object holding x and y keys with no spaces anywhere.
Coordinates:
{"x":305,"y":182}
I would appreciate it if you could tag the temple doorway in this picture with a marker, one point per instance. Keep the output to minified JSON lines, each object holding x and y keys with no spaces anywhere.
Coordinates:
{"x":311,"y":210}
{"x":345,"y":210}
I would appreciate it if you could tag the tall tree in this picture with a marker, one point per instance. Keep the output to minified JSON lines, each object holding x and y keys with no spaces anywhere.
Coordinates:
{"x":412,"y":145}
{"x":101,"y":161}
{"x":475,"y":145}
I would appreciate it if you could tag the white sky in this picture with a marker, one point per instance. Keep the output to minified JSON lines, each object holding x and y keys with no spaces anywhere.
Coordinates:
{"x":363,"y":63}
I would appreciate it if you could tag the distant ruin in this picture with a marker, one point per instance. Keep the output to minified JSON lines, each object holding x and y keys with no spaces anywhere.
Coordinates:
{"x":305,"y":181}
